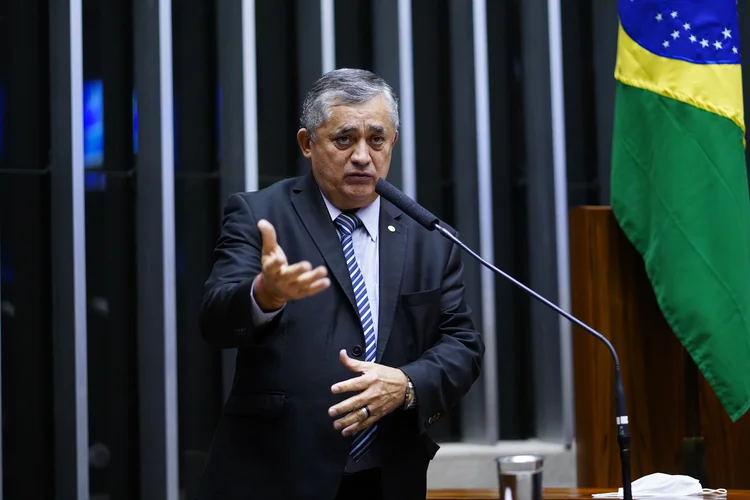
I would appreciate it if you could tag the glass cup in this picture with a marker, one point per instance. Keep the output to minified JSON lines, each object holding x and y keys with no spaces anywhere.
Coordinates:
{"x":520,"y":477}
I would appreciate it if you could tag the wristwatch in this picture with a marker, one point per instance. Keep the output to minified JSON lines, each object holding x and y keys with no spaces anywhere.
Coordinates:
{"x":410,"y":399}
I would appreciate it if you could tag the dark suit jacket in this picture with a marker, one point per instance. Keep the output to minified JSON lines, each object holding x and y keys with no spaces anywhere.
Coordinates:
{"x":275,"y":438}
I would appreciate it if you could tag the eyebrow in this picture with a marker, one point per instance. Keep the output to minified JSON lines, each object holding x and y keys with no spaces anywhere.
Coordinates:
{"x":351,"y":128}
{"x":344,"y":130}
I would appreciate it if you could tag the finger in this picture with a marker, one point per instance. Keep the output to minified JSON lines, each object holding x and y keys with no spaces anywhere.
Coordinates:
{"x":273,"y":265}
{"x":318,"y":286}
{"x":349,"y":419}
{"x":360,"y":383}
{"x":295,"y":270}
{"x":352,"y":429}
{"x":350,"y":404}
{"x":351,"y":364}
{"x":268,"y":236}
{"x":308,"y":277}
{"x":310,"y":283}
{"x":305,"y":291}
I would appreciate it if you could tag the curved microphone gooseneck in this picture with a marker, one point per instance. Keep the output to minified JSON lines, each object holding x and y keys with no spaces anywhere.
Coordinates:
{"x":428,"y":220}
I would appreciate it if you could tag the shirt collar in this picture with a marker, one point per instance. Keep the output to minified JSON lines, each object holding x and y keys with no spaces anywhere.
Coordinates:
{"x":370,"y":215}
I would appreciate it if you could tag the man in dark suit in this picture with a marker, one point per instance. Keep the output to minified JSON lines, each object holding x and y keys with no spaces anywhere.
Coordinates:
{"x":352,"y":332}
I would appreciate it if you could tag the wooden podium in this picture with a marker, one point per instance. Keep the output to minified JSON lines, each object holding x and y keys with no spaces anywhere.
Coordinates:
{"x":677,"y":424}
{"x":554,"y":494}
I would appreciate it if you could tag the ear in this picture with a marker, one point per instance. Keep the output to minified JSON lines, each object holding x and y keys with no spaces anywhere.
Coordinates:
{"x":305,"y":142}
{"x":395,"y":138}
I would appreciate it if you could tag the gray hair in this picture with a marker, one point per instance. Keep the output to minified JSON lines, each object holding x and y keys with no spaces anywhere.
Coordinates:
{"x":348,"y":87}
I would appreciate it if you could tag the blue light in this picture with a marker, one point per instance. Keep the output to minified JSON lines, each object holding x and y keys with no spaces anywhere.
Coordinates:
{"x":93,"y":123}
{"x":95,"y":181}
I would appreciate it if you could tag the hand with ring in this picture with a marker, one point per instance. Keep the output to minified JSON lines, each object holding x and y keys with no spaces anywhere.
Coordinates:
{"x":381,"y":390}
{"x":365,"y":411}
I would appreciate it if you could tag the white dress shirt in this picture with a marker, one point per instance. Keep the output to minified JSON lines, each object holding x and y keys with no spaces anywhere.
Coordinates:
{"x":365,"y":242}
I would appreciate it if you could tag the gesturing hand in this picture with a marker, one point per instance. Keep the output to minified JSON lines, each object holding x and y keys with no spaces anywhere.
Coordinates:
{"x":280,"y":282}
{"x":382,"y":390}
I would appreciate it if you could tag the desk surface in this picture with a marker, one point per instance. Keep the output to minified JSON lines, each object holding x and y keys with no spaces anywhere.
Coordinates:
{"x":554,"y":494}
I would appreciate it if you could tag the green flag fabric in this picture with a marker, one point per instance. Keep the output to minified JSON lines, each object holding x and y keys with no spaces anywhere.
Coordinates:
{"x":679,"y":180}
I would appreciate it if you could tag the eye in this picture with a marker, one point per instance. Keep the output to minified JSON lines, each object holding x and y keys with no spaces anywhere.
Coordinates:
{"x":343,"y":140}
{"x":378,"y":140}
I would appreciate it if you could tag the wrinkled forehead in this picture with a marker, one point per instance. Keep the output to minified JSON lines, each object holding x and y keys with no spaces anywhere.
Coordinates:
{"x":361,"y":128}
{"x":369,"y":117}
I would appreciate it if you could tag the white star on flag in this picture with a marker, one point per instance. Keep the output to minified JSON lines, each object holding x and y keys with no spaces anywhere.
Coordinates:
{"x":671,"y":35}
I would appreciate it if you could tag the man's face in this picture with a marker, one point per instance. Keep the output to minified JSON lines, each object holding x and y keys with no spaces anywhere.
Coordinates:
{"x":351,"y":151}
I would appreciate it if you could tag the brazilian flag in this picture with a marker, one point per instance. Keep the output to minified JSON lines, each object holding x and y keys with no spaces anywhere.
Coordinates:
{"x":679,"y":181}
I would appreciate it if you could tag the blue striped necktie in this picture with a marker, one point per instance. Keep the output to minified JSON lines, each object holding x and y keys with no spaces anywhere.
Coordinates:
{"x":346,"y":224}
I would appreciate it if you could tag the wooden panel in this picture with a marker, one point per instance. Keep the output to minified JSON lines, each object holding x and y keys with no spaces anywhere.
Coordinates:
{"x":727,"y":444}
{"x":553,"y":494}
{"x":611,"y":293}
{"x":667,"y":399}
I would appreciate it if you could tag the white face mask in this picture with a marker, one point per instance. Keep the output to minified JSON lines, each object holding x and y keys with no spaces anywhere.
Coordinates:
{"x":664,"y":485}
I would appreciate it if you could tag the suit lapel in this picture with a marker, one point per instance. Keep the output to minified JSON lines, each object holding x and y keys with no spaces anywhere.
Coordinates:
{"x":393,"y":236}
{"x":311,"y":208}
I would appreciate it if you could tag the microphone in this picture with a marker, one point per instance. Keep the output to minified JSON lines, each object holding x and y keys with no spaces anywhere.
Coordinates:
{"x":432,"y":223}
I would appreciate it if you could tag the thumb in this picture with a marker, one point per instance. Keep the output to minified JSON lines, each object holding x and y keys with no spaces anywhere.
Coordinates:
{"x":350,"y":363}
{"x":268,"y":236}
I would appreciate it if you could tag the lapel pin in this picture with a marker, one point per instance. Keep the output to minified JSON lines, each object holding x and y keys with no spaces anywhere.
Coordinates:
{"x":391,"y":229}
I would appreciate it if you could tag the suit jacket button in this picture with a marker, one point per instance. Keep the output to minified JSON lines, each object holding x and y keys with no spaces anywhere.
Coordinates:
{"x":357,"y":350}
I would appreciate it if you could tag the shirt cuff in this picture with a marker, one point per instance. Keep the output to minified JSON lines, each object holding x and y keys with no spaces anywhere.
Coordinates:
{"x":261,"y":318}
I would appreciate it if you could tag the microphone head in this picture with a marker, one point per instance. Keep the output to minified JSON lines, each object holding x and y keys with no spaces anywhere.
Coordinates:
{"x":406,"y":204}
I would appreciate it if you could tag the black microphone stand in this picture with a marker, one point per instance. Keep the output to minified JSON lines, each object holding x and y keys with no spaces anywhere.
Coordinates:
{"x":623,"y":432}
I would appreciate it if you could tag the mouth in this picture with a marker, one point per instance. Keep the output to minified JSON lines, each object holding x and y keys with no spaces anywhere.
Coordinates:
{"x":359,"y":176}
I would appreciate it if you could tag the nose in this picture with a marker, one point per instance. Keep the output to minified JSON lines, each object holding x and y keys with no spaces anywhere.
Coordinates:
{"x":361,"y":153}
